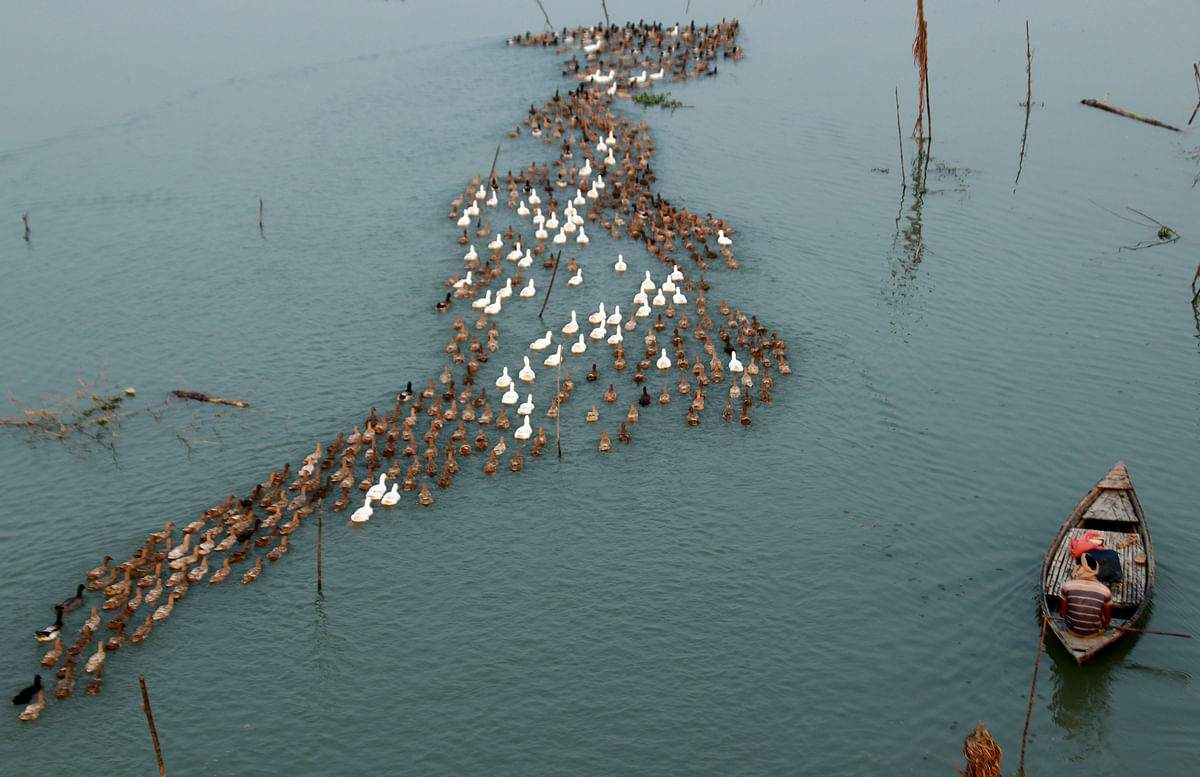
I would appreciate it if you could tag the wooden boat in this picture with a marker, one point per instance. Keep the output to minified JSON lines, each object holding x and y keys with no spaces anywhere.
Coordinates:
{"x":1112,"y":509}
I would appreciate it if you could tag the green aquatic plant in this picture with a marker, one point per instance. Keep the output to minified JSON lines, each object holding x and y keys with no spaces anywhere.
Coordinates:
{"x":660,"y":99}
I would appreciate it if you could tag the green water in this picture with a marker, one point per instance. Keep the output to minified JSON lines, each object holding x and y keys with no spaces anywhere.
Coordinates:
{"x":844,"y":587}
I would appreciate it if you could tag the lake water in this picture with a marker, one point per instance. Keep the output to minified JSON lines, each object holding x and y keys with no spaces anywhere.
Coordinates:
{"x":846,"y":586}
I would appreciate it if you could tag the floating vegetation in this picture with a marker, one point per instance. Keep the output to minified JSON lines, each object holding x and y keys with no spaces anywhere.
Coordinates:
{"x":90,"y":413}
{"x":600,"y":180}
{"x":660,"y":99}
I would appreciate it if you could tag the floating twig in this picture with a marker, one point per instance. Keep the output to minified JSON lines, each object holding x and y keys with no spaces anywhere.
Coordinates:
{"x":196,"y":395}
{"x":1128,"y":114}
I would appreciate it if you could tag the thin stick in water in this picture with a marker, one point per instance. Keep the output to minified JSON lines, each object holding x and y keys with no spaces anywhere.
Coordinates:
{"x":25,"y":219}
{"x":900,"y":137}
{"x":551,"y":286}
{"x":1029,"y":712}
{"x":162,"y":770}
{"x":320,"y":527}
{"x":549,"y":26}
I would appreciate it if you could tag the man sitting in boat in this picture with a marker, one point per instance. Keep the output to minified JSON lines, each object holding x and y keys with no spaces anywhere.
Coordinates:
{"x":1086,"y":603}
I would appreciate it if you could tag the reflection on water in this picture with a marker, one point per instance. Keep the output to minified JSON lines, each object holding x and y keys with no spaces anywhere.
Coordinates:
{"x":1079,"y":704}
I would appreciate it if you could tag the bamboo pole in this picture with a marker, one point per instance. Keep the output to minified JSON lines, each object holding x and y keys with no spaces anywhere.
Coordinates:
{"x":1029,"y":712}
{"x":1128,"y":114}
{"x":25,"y":220}
{"x":162,"y":771}
{"x":320,"y":527}
{"x":260,"y":214}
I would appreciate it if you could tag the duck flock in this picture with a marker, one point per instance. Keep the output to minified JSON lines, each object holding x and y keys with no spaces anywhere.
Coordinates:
{"x":600,"y":179}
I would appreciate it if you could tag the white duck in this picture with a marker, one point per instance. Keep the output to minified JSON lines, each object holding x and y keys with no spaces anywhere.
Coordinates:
{"x":554,"y":359}
{"x":664,"y":361}
{"x":542,"y":343}
{"x":507,"y":291}
{"x":614,"y":319}
{"x":529,"y":291}
{"x":471,"y":255}
{"x":599,"y":316}
{"x":526,"y":373}
{"x":722,"y":240}
{"x":577,"y":278}
{"x":579,"y":347}
{"x":504,"y":381}
{"x":616,"y":337}
{"x":572,"y":326}
{"x":647,"y":284}
{"x":363,"y":513}
{"x":524,"y":431}
{"x":494,"y":307}
{"x":496,"y":244}
{"x":526,"y":261}
{"x":526,"y":407}
{"x":515,"y":253}
{"x":582,"y":237}
{"x":391,"y":498}
{"x":377,"y":491}
{"x":599,"y":333}
{"x":735,"y":365}
{"x":620,"y":265}
{"x":483,"y":302}
{"x":522,"y":209}
{"x":510,"y":397}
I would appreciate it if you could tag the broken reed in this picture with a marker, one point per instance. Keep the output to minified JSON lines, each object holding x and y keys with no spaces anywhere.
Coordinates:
{"x":920,"y":51}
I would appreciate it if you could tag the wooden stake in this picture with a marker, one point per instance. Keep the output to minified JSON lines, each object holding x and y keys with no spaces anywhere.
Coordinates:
{"x":1128,"y":114}
{"x":1029,"y":712}
{"x":900,"y":137}
{"x":25,"y":219}
{"x":320,"y":527}
{"x":260,"y":214}
{"x":162,"y":771}
{"x":604,"y":5}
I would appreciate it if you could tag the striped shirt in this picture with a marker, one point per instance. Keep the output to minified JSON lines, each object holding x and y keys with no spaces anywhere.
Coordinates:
{"x":1085,"y":598}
